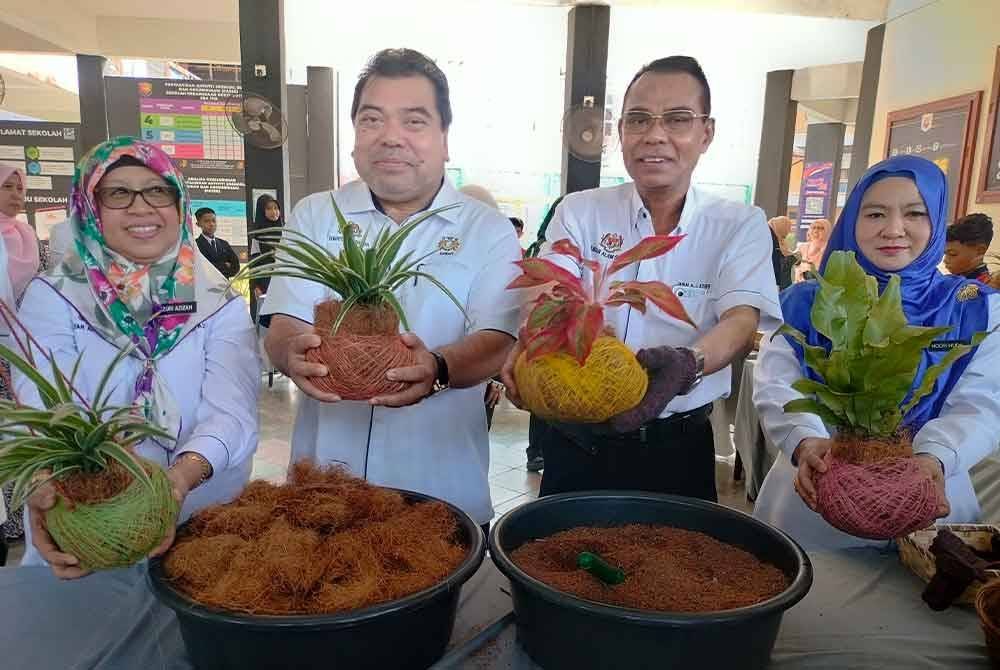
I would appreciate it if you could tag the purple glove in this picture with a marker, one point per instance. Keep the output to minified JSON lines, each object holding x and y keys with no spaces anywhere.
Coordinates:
{"x":671,"y":371}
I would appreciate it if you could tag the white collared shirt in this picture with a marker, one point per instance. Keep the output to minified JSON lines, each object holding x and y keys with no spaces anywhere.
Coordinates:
{"x":723,"y":262}
{"x":213,"y":374}
{"x":439,"y":446}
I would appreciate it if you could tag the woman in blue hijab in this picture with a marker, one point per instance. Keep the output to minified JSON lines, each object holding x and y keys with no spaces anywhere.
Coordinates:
{"x":894,"y":221}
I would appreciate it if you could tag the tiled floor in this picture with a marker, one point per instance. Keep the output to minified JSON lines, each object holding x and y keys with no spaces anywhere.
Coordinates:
{"x":510,"y":483}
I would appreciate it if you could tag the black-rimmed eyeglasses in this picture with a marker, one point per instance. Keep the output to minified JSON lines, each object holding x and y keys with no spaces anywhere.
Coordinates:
{"x":119,"y":197}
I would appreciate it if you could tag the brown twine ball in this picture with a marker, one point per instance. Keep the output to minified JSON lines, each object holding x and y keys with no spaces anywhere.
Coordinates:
{"x":365,"y":347}
{"x":877,"y":501}
{"x":555,"y":386}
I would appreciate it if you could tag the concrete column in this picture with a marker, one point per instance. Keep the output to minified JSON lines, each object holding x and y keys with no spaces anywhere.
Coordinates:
{"x":321,"y":107}
{"x":93,"y":104}
{"x":866,"y":105}
{"x":777,"y":136}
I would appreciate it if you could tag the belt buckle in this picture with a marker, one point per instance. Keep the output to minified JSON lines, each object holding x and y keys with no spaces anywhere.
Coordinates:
{"x":642,"y":434}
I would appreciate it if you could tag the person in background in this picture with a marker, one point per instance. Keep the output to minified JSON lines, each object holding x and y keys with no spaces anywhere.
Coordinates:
{"x":215,"y":249}
{"x":480,"y":193}
{"x":267,"y":214}
{"x":20,"y":254}
{"x":811,"y":251}
{"x":518,"y":226}
{"x":968,"y":240}
{"x":196,"y":374}
{"x":782,"y":257}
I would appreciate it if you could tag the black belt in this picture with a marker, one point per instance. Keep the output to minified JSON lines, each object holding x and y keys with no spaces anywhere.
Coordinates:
{"x":696,"y":415}
{"x":592,"y":442}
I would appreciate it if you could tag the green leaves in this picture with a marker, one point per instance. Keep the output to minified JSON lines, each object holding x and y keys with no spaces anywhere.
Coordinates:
{"x":361,"y":273}
{"x":875,"y":354}
{"x":68,"y":434}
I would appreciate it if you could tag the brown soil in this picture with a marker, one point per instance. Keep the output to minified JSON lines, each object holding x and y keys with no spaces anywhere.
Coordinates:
{"x":360,"y":320}
{"x":86,"y":488}
{"x":325,"y":542}
{"x":667,"y":569}
{"x":867,"y":450}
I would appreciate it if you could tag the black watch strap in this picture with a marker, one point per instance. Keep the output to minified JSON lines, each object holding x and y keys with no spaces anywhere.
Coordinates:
{"x":441,"y":380}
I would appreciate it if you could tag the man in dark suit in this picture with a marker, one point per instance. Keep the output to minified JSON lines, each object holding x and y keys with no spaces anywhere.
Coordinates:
{"x":217,"y":251}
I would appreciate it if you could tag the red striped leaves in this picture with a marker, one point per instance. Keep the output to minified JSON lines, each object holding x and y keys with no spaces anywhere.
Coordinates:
{"x":636,"y":293}
{"x":538,"y":271}
{"x":649,"y":247}
{"x":569,"y":326}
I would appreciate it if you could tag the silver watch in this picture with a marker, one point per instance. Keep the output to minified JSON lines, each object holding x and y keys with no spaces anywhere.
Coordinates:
{"x":699,"y":368}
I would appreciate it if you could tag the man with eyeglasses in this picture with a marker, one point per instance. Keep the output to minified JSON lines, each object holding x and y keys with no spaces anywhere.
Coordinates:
{"x":720,"y":271}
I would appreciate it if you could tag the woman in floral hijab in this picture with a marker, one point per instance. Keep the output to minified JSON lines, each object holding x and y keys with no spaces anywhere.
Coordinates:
{"x":134,"y":280}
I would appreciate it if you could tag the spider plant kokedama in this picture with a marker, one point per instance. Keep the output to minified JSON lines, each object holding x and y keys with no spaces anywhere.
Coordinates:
{"x":573,"y":368}
{"x":112,"y":507}
{"x":360,"y":328}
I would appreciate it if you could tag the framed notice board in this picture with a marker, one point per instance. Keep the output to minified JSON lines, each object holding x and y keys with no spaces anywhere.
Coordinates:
{"x":989,"y":179}
{"x":943,"y":132}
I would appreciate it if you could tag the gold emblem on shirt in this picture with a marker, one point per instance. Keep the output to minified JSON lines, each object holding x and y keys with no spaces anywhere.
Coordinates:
{"x":449,"y":245}
{"x":355,"y":230}
{"x":967,"y":293}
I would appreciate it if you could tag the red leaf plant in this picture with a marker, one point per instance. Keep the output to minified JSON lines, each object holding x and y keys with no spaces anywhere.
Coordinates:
{"x":569,"y":315}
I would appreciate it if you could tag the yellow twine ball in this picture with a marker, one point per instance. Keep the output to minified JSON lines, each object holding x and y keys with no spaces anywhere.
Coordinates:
{"x":117,"y":532}
{"x":555,"y":386}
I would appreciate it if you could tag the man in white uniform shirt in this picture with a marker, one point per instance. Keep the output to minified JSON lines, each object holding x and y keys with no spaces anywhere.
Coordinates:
{"x":721,"y":272}
{"x":432,"y":436}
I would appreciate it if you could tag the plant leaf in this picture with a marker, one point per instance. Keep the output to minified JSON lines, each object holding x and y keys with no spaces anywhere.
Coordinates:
{"x":567,"y":248}
{"x":649,"y":247}
{"x":657,"y":293}
{"x":811,"y":406}
{"x":539,"y":271}
{"x":585,"y":323}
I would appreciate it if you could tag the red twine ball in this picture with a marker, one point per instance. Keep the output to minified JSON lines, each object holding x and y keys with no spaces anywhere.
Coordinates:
{"x":879,"y":501}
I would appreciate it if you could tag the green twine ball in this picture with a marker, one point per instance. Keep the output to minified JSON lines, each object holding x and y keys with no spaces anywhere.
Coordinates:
{"x":117,"y":532}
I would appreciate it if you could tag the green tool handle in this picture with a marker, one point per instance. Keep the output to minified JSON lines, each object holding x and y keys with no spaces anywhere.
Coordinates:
{"x":600,"y":568}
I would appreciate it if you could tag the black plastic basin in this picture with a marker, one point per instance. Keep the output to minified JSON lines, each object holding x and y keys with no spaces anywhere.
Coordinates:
{"x":560,"y":631}
{"x":412,"y":632}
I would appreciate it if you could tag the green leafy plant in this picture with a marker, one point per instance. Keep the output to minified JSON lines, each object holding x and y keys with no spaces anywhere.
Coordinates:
{"x":360,"y":274}
{"x":69,"y":434}
{"x":870,"y":369}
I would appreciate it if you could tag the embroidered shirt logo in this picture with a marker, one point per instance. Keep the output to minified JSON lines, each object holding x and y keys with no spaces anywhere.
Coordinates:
{"x":612,"y":242}
{"x":967,"y":293}
{"x":447,"y":246}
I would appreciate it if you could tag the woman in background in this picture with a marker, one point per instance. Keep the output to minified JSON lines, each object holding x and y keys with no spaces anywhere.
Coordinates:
{"x":813,"y":248}
{"x":267,"y":215}
{"x":20,"y":258}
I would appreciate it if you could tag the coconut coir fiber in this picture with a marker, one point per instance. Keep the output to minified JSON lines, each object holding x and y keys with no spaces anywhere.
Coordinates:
{"x":667,"y":569}
{"x":324,"y":542}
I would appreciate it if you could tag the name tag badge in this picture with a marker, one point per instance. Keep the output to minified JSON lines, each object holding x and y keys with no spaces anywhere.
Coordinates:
{"x":690,"y":292}
{"x":178,"y":308}
{"x":946,"y":345}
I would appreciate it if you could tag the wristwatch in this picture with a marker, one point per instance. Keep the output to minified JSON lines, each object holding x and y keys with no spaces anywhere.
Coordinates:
{"x":201,"y":461}
{"x":441,"y":378}
{"x":699,"y":368}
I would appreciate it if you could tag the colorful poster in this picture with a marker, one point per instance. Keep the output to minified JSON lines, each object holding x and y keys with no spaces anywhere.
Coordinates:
{"x":188,"y":120}
{"x":47,"y":154}
{"x":814,"y":194}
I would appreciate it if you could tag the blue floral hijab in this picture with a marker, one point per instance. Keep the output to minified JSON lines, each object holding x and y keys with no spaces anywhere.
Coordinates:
{"x":929,"y":297}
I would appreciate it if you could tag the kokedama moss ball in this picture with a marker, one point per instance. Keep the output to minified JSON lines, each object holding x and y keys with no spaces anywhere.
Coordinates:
{"x":555,"y":386}
{"x":877,"y":501}
{"x":117,"y":532}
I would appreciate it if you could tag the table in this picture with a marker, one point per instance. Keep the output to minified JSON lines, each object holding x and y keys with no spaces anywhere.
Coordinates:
{"x":756,"y":451}
{"x":864,"y":611}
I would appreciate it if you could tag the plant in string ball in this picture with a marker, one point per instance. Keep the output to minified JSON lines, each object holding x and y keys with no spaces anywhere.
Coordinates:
{"x":359,"y":328}
{"x":862,"y":386}
{"x":573,"y":368}
{"x":112,"y":507}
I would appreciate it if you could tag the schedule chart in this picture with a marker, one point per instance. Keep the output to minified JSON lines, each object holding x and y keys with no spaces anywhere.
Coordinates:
{"x":190,"y":128}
